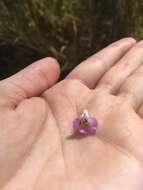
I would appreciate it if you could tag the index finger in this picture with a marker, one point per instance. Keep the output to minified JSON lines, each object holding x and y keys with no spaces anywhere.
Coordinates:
{"x":91,"y":70}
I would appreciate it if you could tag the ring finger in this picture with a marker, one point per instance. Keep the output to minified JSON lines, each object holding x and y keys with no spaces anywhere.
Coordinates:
{"x":133,"y":88}
{"x":116,"y":76}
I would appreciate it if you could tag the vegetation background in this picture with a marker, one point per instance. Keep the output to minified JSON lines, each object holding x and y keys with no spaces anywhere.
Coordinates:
{"x":69,"y":30}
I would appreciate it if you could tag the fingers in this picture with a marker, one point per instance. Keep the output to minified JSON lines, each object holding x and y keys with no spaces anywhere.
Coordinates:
{"x":31,"y":81}
{"x":114,"y":78}
{"x":133,"y":87}
{"x":92,"y":69}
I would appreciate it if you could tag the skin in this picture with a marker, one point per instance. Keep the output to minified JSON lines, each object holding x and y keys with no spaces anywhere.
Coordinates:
{"x":37,"y":148}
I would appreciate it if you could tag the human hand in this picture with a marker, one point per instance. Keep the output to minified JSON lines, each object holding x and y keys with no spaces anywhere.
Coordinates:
{"x":36,"y":151}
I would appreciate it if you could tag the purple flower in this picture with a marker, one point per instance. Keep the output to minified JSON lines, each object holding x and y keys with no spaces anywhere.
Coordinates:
{"x":85,"y":124}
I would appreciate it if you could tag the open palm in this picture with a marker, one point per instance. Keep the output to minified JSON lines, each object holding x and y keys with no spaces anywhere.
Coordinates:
{"x":37,"y":148}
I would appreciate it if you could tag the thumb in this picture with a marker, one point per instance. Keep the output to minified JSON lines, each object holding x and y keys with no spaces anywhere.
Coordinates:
{"x":29,"y":82}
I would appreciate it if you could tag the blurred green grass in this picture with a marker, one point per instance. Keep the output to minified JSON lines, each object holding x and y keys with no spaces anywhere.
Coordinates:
{"x":69,"y":30}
